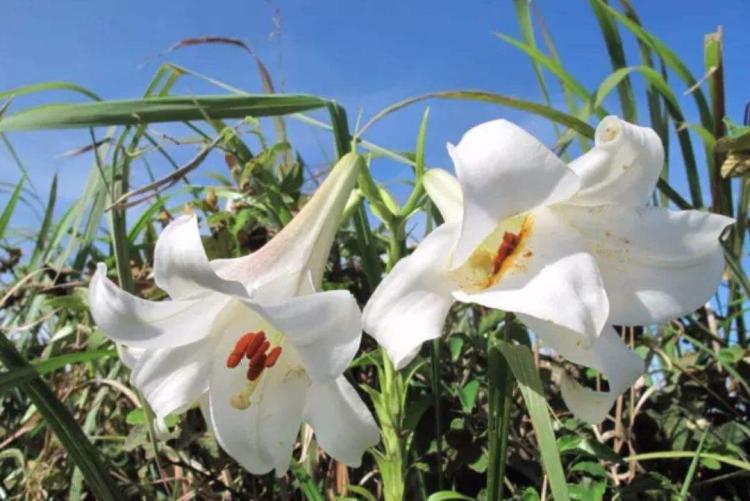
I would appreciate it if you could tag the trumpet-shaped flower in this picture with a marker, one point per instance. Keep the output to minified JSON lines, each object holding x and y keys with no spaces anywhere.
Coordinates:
{"x":571,"y":249}
{"x":251,"y":338}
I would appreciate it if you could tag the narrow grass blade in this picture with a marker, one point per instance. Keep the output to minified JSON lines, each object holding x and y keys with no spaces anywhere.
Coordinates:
{"x":670,"y":59}
{"x":157,"y":109}
{"x":617,"y":58}
{"x":488,"y":97}
{"x":65,"y":427}
{"x":523,"y":14}
{"x":41,"y":238}
{"x":521,"y":362}
{"x":650,"y":456}
{"x":11,"y":379}
{"x":10,"y":207}
{"x":657,"y":114}
{"x":48,"y":86}
{"x":567,"y":80}
{"x":721,"y":190}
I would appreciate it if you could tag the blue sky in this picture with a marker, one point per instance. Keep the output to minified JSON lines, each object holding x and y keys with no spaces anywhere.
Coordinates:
{"x":365,"y":54}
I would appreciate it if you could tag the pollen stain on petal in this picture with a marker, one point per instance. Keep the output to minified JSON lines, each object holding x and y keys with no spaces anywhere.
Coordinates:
{"x":503,"y":251}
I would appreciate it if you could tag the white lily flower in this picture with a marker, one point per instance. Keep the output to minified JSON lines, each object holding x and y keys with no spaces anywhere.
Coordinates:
{"x":571,"y":249}
{"x":249,"y":338}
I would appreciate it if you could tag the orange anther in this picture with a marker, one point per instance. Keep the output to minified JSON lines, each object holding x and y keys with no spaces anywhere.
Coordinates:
{"x":258,"y":339}
{"x":273,"y":356}
{"x":234,"y":360}
{"x":254,"y":371}
{"x":243,"y":343}
{"x":260,"y":353}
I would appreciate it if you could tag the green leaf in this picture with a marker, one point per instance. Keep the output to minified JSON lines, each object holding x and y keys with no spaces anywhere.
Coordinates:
{"x":488,"y":97}
{"x":10,"y":207}
{"x":41,"y":238}
{"x":572,"y":443}
{"x":567,"y":80}
{"x":617,"y":58}
{"x":521,"y":362}
{"x":447,"y":496}
{"x":305,"y":482}
{"x":650,"y":456}
{"x":48,"y":86}
{"x":65,"y":427}
{"x":590,"y":468}
{"x":13,"y":378}
{"x":468,"y":395}
{"x":158,"y":109}
{"x":669,"y":58}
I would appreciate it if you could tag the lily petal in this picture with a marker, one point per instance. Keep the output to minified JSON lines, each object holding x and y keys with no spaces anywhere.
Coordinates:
{"x":623,"y":166}
{"x":129,"y":356}
{"x":445,"y":192}
{"x":261,"y":436}
{"x":504,"y":171}
{"x":608,"y":355}
{"x":181,"y":267}
{"x":552,"y":277}
{"x":411,"y":303}
{"x":343,"y":425}
{"x":276,"y":410}
{"x":139,"y":323}
{"x":656,"y":264}
{"x":173,"y":378}
{"x":325,"y":329}
{"x":304,"y":243}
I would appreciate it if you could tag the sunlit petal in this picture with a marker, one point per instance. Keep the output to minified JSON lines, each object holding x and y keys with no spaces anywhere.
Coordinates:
{"x":623,"y":166}
{"x":343,"y":425}
{"x":325,"y":329}
{"x":411,"y":303}
{"x":173,"y":378}
{"x":552,"y":277}
{"x":656,"y":264}
{"x":608,"y":355}
{"x":181,"y":267}
{"x":445,"y":192}
{"x":139,"y":323}
{"x":504,"y":171}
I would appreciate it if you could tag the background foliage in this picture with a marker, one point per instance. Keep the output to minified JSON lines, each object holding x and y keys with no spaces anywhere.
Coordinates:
{"x":72,"y":427}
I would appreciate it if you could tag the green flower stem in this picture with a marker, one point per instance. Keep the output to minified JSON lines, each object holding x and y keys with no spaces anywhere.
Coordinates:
{"x":500,"y":381}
